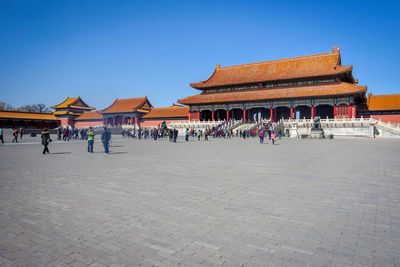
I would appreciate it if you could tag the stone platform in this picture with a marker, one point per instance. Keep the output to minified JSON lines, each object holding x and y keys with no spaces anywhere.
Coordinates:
{"x":222,"y":202}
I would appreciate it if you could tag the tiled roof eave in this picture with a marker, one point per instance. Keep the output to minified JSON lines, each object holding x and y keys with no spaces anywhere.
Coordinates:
{"x":27,"y":119}
{"x":100,"y":119}
{"x":238,"y":96}
{"x":202,"y":85}
{"x":163,"y":118}
{"x":79,"y":107}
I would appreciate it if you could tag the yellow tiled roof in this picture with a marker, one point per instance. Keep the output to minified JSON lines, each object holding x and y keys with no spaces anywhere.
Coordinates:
{"x":27,"y":115}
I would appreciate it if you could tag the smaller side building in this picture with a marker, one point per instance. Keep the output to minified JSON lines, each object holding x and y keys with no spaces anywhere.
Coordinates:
{"x":383,"y":107}
{"x":71,"y":108}
{"x":89,"y":119}
{"x":127,"y":111}
{"x":168,"y":114}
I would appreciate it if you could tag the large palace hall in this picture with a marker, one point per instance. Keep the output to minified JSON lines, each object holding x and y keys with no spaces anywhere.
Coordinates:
{"x":291,"y":88}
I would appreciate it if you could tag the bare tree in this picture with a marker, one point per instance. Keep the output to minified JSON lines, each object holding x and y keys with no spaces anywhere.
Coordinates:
{"x":41,"y":108}
{"x":26,"y":108}
{"x":6,"y":107}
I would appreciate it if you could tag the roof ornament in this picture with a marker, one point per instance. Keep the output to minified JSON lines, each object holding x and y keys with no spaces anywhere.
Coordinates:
{"x":218,"y":66}
{"x":335,"y":49}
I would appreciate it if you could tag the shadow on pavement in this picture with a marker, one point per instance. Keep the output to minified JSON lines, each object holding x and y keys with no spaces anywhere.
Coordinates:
{"x":118,"y":153}
{"x":53,"y":153}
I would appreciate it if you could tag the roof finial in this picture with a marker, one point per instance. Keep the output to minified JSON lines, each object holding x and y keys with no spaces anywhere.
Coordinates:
{"x":218,"y":66}
{"x":335,"y":49}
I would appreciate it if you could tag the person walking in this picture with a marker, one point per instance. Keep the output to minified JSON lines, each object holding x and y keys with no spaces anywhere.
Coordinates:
{"x":20,"y":133}
{"x":198,"y":134}
{"x":187,"y":135}
{"x":155,"y":134}
{"x":105,"y":138}
{"x":175,"y":135}
{"x":45,"y":140}
{"x":171,"y":135}
{"x":15,"y":134}
{"x":269,"y":132}
{"x":1,"y":135}
{"x":59,"y":132}
{"x":273,"y":137}
{"x":261,"y":135}
{"x":90,"y":140}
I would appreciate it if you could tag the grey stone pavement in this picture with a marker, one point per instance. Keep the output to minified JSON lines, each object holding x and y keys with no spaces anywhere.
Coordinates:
{"x":222,"y":202}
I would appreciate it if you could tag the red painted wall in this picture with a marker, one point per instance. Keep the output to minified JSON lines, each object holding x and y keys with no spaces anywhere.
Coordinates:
{"x":395,"y":118}
{"x":67,"y":121}
{"x":195,"y":115}
{"x":88,"y":123}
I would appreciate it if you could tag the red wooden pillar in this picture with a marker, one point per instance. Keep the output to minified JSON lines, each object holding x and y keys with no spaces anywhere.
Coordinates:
{"x":104,"y":121}
{"x":190,"y":115}
{"x":212,"y":115}
{"x":198,"y":115}
{"x":113,"y":121}
{"x":291,"y":112}
{"x":334,"y":111}
{"x":227,"y":115}
{"x":354,"y":109}
{"x":244,"y":114}
{"x":136,"y":120}
{"x":350,"y":110}
{"x":312,"y":112}
{"x":271,"y":114}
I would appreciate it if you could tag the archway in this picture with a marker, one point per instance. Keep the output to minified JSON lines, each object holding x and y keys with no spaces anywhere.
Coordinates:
{"x":236,"y":114}
{"x":282,"y":113}
{"x":324,"y":111}
{"x":259,"y":113}
{"x":127,"y":120}
{"x":206,"y":115}
{"x":109,"y":121}
{"x":220,"y":114}
{"x":118,"y":120}
{"x":301,"y":112}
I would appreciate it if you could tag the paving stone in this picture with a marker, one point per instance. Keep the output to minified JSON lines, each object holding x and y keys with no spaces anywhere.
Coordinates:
{"x":224,"y":202}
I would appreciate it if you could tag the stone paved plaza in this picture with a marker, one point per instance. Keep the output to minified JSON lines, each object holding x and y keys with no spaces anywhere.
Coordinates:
{"x":222,"y":202}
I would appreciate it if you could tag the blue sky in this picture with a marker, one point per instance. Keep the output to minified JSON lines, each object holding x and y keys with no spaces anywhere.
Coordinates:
{"x":102,"y":50}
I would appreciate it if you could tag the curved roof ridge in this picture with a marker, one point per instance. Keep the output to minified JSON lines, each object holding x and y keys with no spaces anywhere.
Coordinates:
{"x":212,"y":75}
{"x":111,"y":104}
{"x":126,"y":105}
{"x":282,"y":60}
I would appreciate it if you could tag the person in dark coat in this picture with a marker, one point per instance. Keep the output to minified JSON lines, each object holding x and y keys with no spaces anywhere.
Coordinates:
{"x":1,"y":135}
{"x":105,"y":139}
{"x":175,"y":135}
{"x":15,"y":134}
{"x":45,"y":140}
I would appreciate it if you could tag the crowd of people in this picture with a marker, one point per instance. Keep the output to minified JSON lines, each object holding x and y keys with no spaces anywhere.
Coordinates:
{"x":220,"y":131}
{"x":66,"y":134}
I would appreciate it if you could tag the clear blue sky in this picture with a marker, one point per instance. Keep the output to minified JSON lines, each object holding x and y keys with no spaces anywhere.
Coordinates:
{"x":101,"y":50}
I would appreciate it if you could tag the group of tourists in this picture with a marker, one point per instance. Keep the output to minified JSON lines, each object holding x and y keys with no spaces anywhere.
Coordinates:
{"x":66,"y":134}
{"x":105,"y":139}
{"x":16,"y":133}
